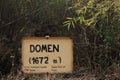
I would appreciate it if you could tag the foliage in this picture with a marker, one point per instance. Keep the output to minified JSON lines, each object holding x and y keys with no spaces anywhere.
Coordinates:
{"x":20,"y":18}
{"x":42,"y":10}
{"x":99,"y":19}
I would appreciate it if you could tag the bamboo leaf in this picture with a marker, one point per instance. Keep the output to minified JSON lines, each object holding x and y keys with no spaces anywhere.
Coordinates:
{"x":73,"y":24}
{"x":81,"y":20}
{"x":78,"y":12}
{"x":66,"y":22}
{"x":68,"y":26}
{"x":69,"y":18}
{"x":75,"y":20}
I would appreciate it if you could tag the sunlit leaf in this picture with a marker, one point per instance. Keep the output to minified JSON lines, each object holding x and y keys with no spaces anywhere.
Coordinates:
{"x":78,"y":12}
{"x":68,"y":26}
{"x":83,"y":20}
{"x":66,"y":22}
{"x":75,"y":20}
{"x":73,"y":25}
{"x":69,"y":18}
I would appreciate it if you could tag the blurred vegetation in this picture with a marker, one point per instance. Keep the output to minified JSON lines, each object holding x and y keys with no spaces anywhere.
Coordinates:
{"x":93,"y":25}
{"x":100,"y":21}
{"x":23,"y":18}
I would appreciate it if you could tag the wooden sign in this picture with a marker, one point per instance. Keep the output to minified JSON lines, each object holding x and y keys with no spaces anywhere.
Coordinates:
{"x":42,"y":55}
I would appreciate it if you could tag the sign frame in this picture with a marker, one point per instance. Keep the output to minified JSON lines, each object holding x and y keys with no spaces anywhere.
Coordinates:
{"x":45,"y":39}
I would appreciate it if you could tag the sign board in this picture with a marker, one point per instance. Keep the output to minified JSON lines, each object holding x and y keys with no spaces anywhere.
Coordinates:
{"x":42,"y":55}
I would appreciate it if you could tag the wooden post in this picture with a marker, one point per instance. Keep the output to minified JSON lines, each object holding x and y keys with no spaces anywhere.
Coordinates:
{"x":47,"y":76}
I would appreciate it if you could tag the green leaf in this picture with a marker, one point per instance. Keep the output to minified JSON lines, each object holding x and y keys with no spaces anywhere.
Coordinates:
{"x":85,"y":10}
{"x":81,"y":20}
{"x":69,"y":26}
{"x":69,"y":18}
{"x":70,"y":8}
{"x":73,"y":25}
{"x":66,"y":22}
{"x":75,"y":20}
{"x":78,"y":12}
